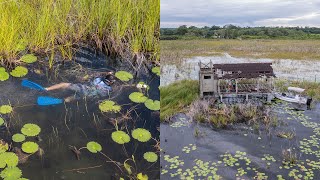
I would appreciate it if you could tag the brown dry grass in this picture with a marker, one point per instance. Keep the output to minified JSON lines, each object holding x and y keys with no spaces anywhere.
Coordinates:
{"x":175,"y":51}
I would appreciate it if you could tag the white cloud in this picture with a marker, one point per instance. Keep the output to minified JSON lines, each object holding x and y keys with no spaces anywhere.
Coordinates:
{"x":241,"y":12}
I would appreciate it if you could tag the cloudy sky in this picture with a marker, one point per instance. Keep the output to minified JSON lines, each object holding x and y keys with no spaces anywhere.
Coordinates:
{"x":240,"y":12}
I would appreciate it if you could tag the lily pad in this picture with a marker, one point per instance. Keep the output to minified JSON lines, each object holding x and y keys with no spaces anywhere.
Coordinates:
{"x":29,"y":58}
{"x":9,"y":159}
{"x":150,"y":157}
{"x":30,"y":129}
{"x":11,"y":173}
{"x":30,"y":147}
{"x":94,"y":147}
{"x":19,"y":71}
{"x":120,"y":137}
{"x":109,"y":106}
{"x":3,"y":74}
{"x":141,"y":135}
{"x":3,"y":147}
{"x":156,"y":70}
{"x":18,"y":137}
{"x":1,"y":121}
{"x":137,"y":97}
{"x":124,"y":75}
{"x":152,"y":104}
{"x":5,"y":109}
{"x":141,"y":176}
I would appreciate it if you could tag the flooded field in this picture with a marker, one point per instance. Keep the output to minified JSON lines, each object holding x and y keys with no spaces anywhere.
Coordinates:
{"x":195,"y":151}
{"x":65,"y":130}
{"x":285,"y":68}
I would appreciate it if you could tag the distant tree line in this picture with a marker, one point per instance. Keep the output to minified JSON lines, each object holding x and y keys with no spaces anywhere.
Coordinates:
{"x":236,"y":32}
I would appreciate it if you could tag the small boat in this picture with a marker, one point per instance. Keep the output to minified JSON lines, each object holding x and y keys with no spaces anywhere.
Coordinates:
{"x":294,"y":95}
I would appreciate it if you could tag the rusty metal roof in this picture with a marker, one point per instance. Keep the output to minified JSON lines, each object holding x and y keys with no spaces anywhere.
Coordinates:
{"x":242,"y":70}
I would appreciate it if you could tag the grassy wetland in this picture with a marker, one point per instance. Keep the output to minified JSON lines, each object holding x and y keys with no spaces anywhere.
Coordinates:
{"x":202,"y":139}
{"x":114,"y":135}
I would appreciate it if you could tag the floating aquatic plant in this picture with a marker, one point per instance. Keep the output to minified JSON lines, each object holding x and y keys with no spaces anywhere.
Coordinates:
{"x":29,"y":58}
{"x":3,"y":74}
{"x":19,"y":71}
{"x":3,"y":146}
{"x":124,"y":75}
{"x":141,"y":135}
{"x":152,"y":105}
{"x":120,"y":137}
{"x":141,"y":85}
{"x":127,"y":167}
{"x":141,"y":176}
{"x":30,"y":129}
{"x":18,"y":137}
{"x":137,"y":97}
{"x":11,"y":173}
{"x":150,"y":157}
{"x":1,"y":121}
{"x":156,"y":70}
{"x":94,"y":147}
{"x":30,"y":147}
{"x":9,"y":159}
{"x":109,"y":106}
{"x":5,"y":109}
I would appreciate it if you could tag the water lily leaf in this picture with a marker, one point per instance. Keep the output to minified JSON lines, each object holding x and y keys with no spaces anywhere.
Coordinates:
{"x":30,"y":129}
{"x":141,"y":176}
{"x":3,"y":147}
{"x":5,"y":109}
{"x":30,"y":147}
{"x":107,"y":106}
{"x":1,"y":121}
{"x":19,"y":71}
{"x":18,"y":137}
{"x":152,"y":104}
{"x":141,"y":135}
{"x":150,"y":156}
{"x":124,"y":75}
{"x":9,"y":159}
{"x":156,"y":70}
{"x":94,"y":147}
{"x":11,"y":173}
{"x":3,"y":74}
{"x":29,"y":58}
{"x":137,"y":97}
{"x":120,"y":137}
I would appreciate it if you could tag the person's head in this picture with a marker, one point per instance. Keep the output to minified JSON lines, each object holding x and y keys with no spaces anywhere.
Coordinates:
{"x":110,"y":79}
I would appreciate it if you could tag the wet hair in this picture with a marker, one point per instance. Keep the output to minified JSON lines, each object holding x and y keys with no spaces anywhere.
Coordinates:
{"x":109,"y":79}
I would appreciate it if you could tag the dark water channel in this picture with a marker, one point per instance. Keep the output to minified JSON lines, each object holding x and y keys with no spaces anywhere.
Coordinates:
{"x":191,"y":151}
{"x":78,"y":122}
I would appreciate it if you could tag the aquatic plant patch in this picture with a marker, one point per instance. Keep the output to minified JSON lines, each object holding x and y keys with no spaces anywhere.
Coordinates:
{"x":28,"y":58}
{"x":30,"y":129}
{"x":150,"y":157}
{"x":5,"y":109}
{"x":3,"y":74}
{"x":19,"y":71}
{"x":120,"y":137}
{"x":152,"y":104}
{"x":3,"y":147}
{"x":156,"y":70}
{"x":30,"y":147}
{"x":109,"y":106}
{"x":11,"y":173}
{"x":190,"y":147}
{"x":1,"y":121}
{"x":94,"y":147}
{"x":141,"y":134}
{"x":18,"y":137}
{"x":141,"y":176}
{"x":137,"y":97}
{"x":8,"y":159}
{"x":124,"y":76}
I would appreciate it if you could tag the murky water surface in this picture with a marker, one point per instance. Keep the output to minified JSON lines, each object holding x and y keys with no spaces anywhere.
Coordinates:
{"x":76,"y":123}
{"x":200,"y":152}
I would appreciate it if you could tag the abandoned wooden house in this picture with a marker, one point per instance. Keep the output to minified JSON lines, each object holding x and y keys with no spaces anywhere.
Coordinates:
{"x":241,"y":80}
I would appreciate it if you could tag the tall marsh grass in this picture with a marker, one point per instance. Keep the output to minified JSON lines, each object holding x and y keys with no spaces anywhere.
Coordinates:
{"x":126,"y":28}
